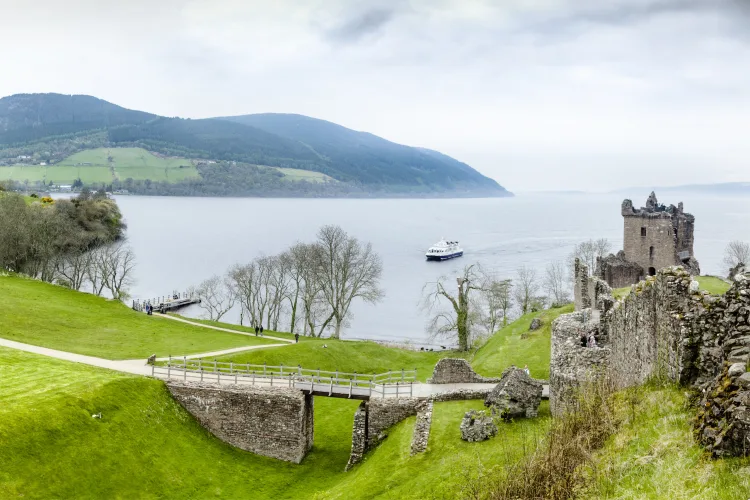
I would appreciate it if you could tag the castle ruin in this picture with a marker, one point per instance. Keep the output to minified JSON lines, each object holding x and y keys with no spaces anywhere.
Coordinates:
{"x":655,"y":236}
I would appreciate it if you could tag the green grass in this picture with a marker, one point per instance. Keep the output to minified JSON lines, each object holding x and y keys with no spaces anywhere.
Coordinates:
{"x":94,"y":166}
{"x":246,"y":329}
{"x":51,"y":316}
{"x":654,"y":455}
{"x":621,"y":293}
{"x":507,"y":348}
{"x":345,"y":356}
{"x":146,"y":445}
{"x":713,"y":285}
{"x":294,"y":174}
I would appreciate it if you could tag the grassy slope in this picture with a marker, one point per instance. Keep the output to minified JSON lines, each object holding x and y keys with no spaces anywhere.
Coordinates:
{"x":653,"y":455}
{"x":146,"y":445}
{"x":507,"y":347}
{"x":345,"y":356}
{"x":51,"y":316}
{"x":713,"y":285}
{"x":295,"y":174}
{"x":134,"y":163}
{"x":246,"y":329}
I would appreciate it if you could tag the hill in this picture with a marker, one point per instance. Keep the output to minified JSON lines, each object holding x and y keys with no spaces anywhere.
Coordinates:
{"x":367,"y":158}
{"x":44,"y":130}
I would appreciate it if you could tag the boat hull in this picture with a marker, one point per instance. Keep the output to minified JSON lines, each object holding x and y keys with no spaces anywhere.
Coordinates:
{"x":439,"y":258}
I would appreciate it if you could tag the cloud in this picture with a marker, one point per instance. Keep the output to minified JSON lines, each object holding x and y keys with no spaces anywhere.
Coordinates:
{"x":361,"y":25}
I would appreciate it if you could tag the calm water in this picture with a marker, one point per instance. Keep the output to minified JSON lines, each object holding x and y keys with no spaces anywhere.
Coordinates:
{"x":181,"y":241}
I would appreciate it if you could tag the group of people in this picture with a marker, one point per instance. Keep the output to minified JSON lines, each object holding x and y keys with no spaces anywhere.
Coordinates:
{"x":149,"y":308}
{"x":258,"y":329}
{"x":588,"y":340}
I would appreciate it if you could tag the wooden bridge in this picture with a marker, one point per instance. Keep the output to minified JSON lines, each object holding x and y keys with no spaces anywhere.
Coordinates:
{"x":398,"y":384}
{"x":167,"y":303}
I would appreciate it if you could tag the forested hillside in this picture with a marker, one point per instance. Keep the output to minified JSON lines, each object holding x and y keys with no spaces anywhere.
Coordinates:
{"x":39,"y":133}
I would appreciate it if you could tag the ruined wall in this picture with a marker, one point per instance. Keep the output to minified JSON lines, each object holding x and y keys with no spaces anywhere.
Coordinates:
{"x":422,"y":426}
{"x":384,"y":413}
{"x":456,"y":371}
{"x":272,"y":422}
{"x":359,"y":436}
{"x":570,"y":363}
{"x":618,"y":272}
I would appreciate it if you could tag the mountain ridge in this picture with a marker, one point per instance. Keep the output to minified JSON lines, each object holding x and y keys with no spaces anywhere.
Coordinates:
{"x":365,"y":162}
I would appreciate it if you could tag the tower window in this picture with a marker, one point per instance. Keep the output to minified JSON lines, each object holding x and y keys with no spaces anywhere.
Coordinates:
{"x":643,"y":232}
{"x":651,"y":253}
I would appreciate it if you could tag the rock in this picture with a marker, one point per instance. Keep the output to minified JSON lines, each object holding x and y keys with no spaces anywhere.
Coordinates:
{"x":536,"y":324}
{"x":736,"y":370}
{"x":744,"y":380}
{"x":694,"y":286}
{"x":517,"y":395}
{"x":477,"y":426}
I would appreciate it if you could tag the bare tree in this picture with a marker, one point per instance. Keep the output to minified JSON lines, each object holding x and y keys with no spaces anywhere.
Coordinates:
{"x":299,"y":262}
{"x":73,"y":268}
{"x":117,"y":264}
{"x":216,"y":296}
{"x":735,"y":253}
{"x":526,"y":288}
{"x":556,"y":284}
{"x":588,"y":252}
{"x":244,"y":285}
{"x":458,"y":318}
{"x":348,"y":270}
{"x":493,"y":303}
{"x":96,"y":269}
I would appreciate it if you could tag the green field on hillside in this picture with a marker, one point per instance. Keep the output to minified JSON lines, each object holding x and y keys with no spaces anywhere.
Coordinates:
{"x":508,"y":347}
{"x":94,"y":166}
{"x":654,"y":455}
{"x":146,"y":445}
{"x":713,"y":285}
{"x":345,"y":356}
{"x":294,"y":174}
{"x":52,"y":316}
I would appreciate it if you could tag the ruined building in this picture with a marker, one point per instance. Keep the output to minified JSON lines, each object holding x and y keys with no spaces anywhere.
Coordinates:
{"x":655,"y":236}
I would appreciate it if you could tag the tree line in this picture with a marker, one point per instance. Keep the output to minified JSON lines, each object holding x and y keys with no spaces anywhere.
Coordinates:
{"x":77,"y":243}
{"x":309,"y":287}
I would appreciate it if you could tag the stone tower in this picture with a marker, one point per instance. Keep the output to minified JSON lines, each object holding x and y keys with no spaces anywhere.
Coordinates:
{"x":655,"y":236}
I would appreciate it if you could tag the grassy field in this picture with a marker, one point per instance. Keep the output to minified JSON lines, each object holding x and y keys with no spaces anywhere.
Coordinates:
{"x":507,"y":347}
{"x":345,"y":356}
{"x":654,"y":455}
{"x":246,"y":329}
{"x":94,"y":165}
{"x":51,"y":316}
{"x":146,"y":446}
{"x":713,"y":285}
{"x":294,"y":174}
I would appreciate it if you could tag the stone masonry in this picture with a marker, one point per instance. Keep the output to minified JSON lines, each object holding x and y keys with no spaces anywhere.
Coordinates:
{"x":273,"y":422}
{"x":517,"y":395}
{"x":477,"y":426}
{"x":457,"y":371}
{"x":421,"y":434}
{"x":666,"y":328}
{"x":655,"y":236}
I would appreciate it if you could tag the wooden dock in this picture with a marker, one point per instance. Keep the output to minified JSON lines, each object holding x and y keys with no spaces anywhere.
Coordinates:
{"x":166,"y":303}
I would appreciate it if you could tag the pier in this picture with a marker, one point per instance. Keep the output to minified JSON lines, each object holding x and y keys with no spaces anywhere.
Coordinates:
{"x":167,"y":303}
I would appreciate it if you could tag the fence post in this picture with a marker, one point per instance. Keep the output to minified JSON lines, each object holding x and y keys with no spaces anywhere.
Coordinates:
{"x":355,"y":377}
{"x":281,"y":369}
{"x":396,"y":389}
{"x":200,"y":364}
{"x":169,"y":371}
{"x":402,"y":374}
{"x":271,"y":379}
{"x":264,"y":368}
{"x":201,"y":374}
{"x":214,"y":364}
{"x":218,"y":377}
{"x":231,"y":367}
{"x":253,"y":377}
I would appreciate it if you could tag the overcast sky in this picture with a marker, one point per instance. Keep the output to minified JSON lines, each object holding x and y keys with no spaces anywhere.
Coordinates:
{"x":538,"y":94}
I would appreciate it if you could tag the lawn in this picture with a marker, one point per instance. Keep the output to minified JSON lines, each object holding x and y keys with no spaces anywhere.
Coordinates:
{"x":508,"y":347}
{"x":294,"y":174}
{"x":41,"y":314}
{"x":713,"y":285}
{"x":345,"y":356}
{"x":654,"y":455}
{"x":246,"y":329}
{"x":146,"y":445}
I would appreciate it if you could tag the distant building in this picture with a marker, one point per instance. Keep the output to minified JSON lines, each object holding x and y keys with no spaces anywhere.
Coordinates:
{"x":66,"y":188}
{"x":655,"y":236}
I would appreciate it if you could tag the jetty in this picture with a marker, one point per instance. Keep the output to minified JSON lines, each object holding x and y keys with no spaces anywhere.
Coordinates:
{"x":167,"y":303}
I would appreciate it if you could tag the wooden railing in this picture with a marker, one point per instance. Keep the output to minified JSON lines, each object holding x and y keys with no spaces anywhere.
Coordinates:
{"x":332,"y":383}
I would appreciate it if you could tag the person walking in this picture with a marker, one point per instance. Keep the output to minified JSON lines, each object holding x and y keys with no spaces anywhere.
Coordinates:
{"x":261,"y":330}
{"x":296,"y":338}
{"x":526,"y":370}
{"x":256,"y":330}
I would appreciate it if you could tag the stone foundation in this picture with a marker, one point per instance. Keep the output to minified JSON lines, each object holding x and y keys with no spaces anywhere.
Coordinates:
{"x":272,"y":422}
{"x":421,"y":434}
{"x":457,"y":371}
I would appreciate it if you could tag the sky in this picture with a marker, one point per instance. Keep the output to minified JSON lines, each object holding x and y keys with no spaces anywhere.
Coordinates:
{"x":589,"y":95}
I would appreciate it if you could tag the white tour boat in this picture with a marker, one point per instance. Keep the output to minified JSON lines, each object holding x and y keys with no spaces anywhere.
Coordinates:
{"x":444,"y":250}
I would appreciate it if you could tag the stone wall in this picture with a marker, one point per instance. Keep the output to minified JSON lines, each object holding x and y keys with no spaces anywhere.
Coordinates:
{"x":571,"y":364}
{"x":384,"y":413}
{"x":272,"y":422}
{"x":456,"y":371}
{"x":421,"y":434}
{"x":359,"y":436}
{"x":666,"y":328}
{"x":617,"y":271}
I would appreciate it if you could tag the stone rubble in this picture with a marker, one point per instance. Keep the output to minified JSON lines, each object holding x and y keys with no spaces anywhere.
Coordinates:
{"x":517,"y":395}
{"x":477,"y":426}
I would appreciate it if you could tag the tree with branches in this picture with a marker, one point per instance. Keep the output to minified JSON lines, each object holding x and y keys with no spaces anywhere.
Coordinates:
{"x":556,"y":284}
{"x":458,"y":317}
{"x":216,"y":296}
{"x":526,"y":289}
{"x":736,"y":252}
